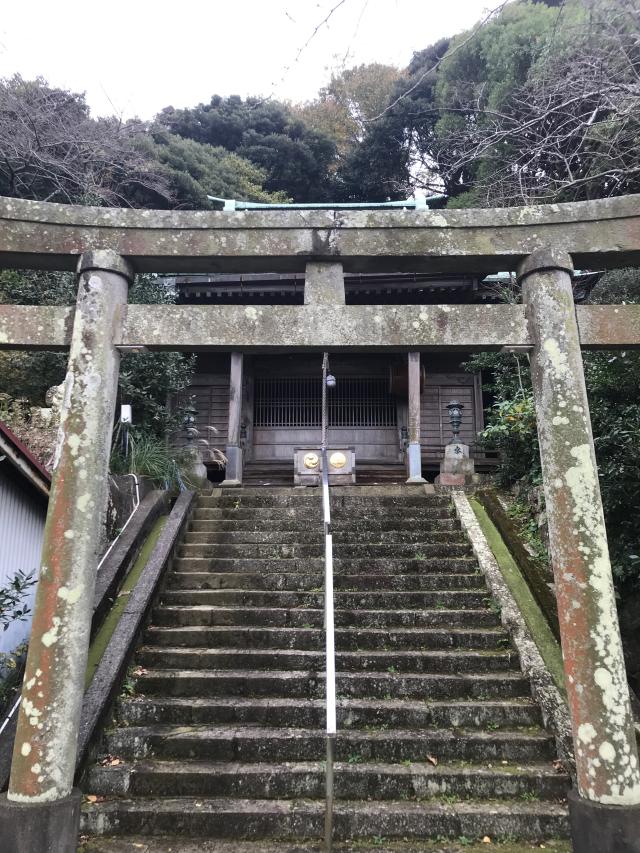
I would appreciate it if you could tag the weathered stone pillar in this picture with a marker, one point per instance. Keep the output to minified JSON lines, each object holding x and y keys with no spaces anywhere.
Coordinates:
{"x":233,"y":476}
{"x":604,"y":811}
{"x":41,"y":811}
{"x":414,"y":453}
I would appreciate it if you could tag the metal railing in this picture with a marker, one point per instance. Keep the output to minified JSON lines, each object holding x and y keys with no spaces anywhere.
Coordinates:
{"x":330,"y":651}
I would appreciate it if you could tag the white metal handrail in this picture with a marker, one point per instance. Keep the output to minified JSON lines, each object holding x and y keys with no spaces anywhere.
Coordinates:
{"x":330,"y":650}
{"x":330,"y":653}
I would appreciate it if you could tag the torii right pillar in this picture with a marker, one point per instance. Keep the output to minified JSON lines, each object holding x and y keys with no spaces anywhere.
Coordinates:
{"x":605,"y":808}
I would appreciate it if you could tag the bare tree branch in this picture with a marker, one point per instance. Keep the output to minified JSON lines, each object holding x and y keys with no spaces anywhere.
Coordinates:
{"x":571,"y":131}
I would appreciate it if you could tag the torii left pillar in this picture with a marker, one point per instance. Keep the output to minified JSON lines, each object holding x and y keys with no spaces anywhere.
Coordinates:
{"x":41,"y":811}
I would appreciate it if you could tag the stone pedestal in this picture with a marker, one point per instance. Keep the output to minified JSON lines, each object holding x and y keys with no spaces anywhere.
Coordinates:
{"x":457,"y":468}
{"x":194,"y":471}
{"x":233,"y":475}
{"x":40,"y":827}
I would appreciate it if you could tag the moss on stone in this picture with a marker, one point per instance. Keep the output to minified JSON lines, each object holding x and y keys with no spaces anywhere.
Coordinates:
{"x":533,"y":616}
{"x":101,"y":639}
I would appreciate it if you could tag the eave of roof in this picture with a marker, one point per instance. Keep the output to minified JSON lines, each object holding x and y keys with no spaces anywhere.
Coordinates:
{"x":23,"y":460}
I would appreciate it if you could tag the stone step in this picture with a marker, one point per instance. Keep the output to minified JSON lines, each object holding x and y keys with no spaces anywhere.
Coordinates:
{"x":312,"y":535}
{"x":300,"y":514}
{"x":311,"y":713}
{"x":309,"y":685}
{"x":296,"y":581}
{"x":370,"y":566}
{"x":243,"y":637}
{"x":369,"y":490}
{"x":451,"y":547}
{"x":270,"y":498}
{"x":224,"y":734}
{"x":396,"y":661}
{"x":309,"y":617}
{"x":454,"y":599}
{"x":357,"y":526}
{"x":171,"y":844}
{"x":306,"y":779}
{"x":248,"y":743}
{"x":245,"y":819}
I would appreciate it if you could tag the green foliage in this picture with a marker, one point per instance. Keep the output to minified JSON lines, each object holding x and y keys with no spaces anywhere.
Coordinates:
{"x":520,"y":512}
{"x":350,"y":100}
{"x":196,"y":170}
{"x":395,"y":151}
{"x":511,"y":431}
{"x":612,"y":380}
{"x":12,"y":608}
{"x":148,"y":456}
{"x":295,"y":158}
{"x":539,"y":104}
{"x":37,"y":287}
{"x":148,"y":380}
{"x":53,"y":150}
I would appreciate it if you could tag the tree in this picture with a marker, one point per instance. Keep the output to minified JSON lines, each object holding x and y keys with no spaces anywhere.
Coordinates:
{"x":351,"y":98}
{"x":196,"y":170}
{"x":393,"y":157}
{"x":52,"y":150}
{"x":544,"y":105}
{"x":295,"y":158}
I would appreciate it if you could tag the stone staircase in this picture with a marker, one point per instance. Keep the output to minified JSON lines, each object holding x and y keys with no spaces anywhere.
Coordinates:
{"x":222,"y":736}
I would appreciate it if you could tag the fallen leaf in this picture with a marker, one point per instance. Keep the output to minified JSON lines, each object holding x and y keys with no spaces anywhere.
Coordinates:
{"x":486,"y":840}
{"x":433,"y":760}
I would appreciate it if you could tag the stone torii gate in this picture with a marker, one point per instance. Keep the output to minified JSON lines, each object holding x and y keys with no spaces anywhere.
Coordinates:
{"x":108,"y":246}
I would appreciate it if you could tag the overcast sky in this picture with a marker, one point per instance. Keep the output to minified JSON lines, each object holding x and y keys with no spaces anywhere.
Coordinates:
{"x":134,"y":57}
